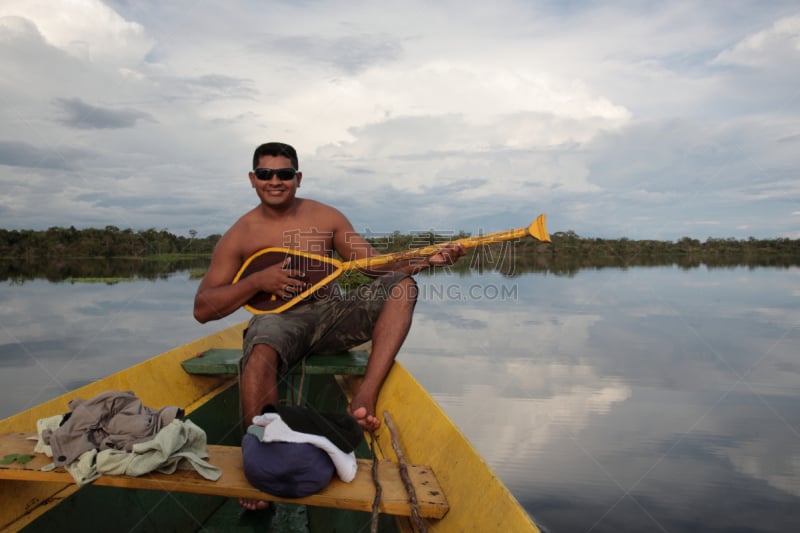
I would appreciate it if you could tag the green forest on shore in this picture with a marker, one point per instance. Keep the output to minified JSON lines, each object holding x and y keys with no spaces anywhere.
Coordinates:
{"x":112,"y":253}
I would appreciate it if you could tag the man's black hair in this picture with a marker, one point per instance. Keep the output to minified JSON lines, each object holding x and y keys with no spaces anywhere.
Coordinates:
{"x":276,"y":149}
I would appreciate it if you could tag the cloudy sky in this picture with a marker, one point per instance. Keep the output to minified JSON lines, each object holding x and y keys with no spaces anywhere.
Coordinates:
{"x":619,"y":119}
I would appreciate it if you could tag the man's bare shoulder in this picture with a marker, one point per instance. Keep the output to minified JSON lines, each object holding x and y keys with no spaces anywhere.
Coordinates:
{"x":324,"y":214}
{"x":244,"y":224}
{"x":251,"y":232}
{"x":307,"y":204}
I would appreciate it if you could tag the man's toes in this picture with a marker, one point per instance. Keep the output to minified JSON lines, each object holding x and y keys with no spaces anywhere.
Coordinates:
{"x":359,"y":413}
{"x":253,"y":505}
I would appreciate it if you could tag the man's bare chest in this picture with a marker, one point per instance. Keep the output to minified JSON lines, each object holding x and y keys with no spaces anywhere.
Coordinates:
{"x":307,"y":239}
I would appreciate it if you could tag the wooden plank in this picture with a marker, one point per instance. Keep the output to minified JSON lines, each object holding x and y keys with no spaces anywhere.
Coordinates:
{"x":357,"y":495}
{"x":217,"y":361}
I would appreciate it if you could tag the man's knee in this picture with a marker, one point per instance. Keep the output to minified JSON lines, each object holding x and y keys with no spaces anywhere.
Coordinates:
{"x":405,"y":290}
{"x":262,"y":359}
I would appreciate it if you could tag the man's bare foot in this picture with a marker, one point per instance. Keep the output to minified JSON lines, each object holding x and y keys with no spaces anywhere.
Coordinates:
{"x":253,"y":505}
{"x":367,"y":421}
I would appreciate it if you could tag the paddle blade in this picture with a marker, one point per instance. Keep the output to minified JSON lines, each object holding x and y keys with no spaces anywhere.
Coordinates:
{"x":319,"y":271}
{"x":537,"y":229}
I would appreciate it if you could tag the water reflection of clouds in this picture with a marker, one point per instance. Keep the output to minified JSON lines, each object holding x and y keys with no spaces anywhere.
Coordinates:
{"x":757,"y":434}
{"x":781,"y":472}
{"x":517,"y":411}
{"x":678,"y":386}
{"x":781,"y":317}
{"x":509,"y":384}
{"x":523,"y":329}
{"x":97,"y":330}
{"x":700,"y":284}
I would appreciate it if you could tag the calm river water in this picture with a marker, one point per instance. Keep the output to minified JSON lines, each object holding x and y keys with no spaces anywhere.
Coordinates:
{"x":646,"y":399}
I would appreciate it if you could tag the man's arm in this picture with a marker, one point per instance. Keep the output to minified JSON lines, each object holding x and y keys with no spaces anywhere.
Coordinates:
{"x":216,"y":297}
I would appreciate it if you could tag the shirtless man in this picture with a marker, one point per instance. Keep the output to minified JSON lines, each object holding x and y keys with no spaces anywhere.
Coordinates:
{"x":276,"y":341}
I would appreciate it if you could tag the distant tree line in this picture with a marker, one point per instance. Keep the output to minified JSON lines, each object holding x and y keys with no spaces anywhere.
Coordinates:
{"x":569,"y":248}
{"x":61,"y":254}
{"x":108,"y":242}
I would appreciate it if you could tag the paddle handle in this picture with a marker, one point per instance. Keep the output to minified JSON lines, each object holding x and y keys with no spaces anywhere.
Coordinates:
{"x":537,"y":230}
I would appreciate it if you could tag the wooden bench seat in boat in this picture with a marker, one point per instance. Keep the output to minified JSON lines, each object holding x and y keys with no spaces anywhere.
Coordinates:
{"x":219,"y":361}
{"x":225,"y":362}
{"x":357,"y":495}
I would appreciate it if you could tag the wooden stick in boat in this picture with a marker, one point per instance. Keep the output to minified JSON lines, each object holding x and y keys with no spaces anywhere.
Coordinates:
{"x":376,"y":502}
{"x":412,"y":495}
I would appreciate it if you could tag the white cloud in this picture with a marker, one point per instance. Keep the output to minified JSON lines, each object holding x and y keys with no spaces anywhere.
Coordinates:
{"x":466,"y":116}
{"x":775,"y":47}
{"x":86,"y":29}
{"x":486,"y":105}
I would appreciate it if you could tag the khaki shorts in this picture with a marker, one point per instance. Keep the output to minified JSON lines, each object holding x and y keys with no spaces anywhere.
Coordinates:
{"x":332,"y":325}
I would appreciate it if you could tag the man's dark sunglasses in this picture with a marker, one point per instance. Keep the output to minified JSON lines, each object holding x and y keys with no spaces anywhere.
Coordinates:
{"x":284,"y":174}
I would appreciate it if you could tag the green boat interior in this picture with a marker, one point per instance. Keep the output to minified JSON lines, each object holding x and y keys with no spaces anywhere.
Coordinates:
{"x":317,"y":384}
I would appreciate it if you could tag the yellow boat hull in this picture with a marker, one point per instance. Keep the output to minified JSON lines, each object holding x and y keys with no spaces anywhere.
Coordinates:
{"x":478,"y":500}
{"x":157,"y":381}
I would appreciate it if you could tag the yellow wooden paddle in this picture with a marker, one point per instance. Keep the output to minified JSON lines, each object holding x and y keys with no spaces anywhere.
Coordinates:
{"x":320,"y":270}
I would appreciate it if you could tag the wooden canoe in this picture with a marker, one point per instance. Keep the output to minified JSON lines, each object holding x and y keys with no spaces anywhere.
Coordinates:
{"x":459,"y":491}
